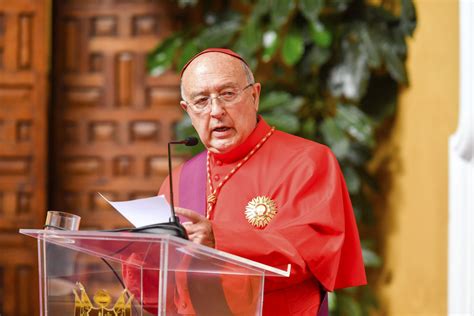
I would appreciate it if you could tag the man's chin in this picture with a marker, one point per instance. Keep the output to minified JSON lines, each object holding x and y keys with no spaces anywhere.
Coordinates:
{"x":222,"y":147}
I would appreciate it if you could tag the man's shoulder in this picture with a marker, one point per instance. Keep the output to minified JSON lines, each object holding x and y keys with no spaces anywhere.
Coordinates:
{"x":299,"y":155}
{"x":197,"y":158}
{"x":293,"y":143}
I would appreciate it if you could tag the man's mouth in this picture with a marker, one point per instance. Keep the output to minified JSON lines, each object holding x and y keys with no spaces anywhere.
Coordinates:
{"x":221,"y":129}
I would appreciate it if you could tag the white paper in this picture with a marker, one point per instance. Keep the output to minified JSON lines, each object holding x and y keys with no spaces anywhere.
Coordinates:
{"x":142,"y":212}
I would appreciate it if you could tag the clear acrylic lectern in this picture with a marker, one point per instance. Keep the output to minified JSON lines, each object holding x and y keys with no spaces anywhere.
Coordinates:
{"x":85,"y":273}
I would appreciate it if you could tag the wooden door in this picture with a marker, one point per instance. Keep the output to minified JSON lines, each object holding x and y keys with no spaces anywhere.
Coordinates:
{"x":111,"y":119}
{"x":23,"y":127}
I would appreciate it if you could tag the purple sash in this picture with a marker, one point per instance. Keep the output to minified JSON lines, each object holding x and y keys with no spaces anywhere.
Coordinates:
{"x":324,"y":307}
{"x":192,"y":184}
{"x":192,"y":195}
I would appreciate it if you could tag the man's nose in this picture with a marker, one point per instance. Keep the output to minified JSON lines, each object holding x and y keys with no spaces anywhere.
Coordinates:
{"x":217,"y":108}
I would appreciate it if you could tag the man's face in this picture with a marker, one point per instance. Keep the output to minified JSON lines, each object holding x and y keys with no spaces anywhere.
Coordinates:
{"x":223,"y":126}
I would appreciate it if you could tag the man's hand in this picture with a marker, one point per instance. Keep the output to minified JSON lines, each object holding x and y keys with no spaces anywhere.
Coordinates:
{"x":199,"y":229}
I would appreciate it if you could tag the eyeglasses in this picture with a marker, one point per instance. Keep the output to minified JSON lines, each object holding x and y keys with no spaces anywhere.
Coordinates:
{"x":227,"y":96}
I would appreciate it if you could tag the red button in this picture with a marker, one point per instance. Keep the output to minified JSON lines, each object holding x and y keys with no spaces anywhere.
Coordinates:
{"x":218,"y":162}
{"x":217,"y":177}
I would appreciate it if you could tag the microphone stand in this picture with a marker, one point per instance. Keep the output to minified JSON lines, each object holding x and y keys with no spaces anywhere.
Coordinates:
{"x":173,"y":227}
{"x":189,"y":141}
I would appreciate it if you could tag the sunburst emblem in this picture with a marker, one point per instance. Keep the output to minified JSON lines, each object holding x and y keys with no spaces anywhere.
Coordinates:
{"x":260,"y":211}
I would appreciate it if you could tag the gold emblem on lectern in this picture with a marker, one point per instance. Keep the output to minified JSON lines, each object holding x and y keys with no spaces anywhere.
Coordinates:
{"x":260,"y":211}
{"x":84,"y":307}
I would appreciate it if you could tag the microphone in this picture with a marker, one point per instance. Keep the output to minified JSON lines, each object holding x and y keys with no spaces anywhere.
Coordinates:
{"x":188,"y":141}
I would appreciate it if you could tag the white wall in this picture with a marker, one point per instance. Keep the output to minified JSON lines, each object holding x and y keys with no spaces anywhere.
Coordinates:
{"x":461,"y":178}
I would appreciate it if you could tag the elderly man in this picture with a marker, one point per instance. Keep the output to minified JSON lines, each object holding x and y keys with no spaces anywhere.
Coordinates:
{"x":263,"y":194}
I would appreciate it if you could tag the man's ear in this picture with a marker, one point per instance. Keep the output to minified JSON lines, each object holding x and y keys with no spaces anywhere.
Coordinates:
{"x":184,"y":106}
{"x":256,"y":94}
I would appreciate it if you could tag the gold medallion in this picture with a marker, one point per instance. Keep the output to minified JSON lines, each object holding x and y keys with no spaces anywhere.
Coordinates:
{"x":260,"y":211}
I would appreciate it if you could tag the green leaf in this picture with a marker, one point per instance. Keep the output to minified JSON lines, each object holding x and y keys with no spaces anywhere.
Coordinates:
{"x":350,"y":77}
{"x":348,"y":306}
{"x":311,"y":9}
{"x":249,"y":41}
{"x":363,"y":209}
{"x":287,"y":123}
{"x":293,"y":48}
{"x":332,"y":301}
{"x":371,"y":259}
{"x":367,"y":243}
{"x":335,"y":138}
{"x":349,"y":290}
{"x":360,"y":154}
{"x":273,"y":99}
{"x":313,"y":60}
{"x":280,"y":101}
{"x":161,"y":59}
{"x":320,"y":35}
{"x":189,"y":50}
{"x":356,"y":123}
{"x":218,"y":35}
{"x":309,"y":128}
{"x":394,"y":64}
{"x":293,"y":106}
{"x":368,"y":299}
{"x":408,"y":17}
{"x":270,"y":45}
{"x":370,"y":45}
{"x":352,"y":179}
{"x":280,"y":12}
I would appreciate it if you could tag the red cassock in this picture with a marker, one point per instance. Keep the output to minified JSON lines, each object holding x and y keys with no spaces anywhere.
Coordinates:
{"x":314,"y":228}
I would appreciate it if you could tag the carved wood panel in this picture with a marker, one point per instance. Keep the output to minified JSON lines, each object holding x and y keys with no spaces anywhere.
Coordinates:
{"x":23,"y":113}
{"x":112,"y":120}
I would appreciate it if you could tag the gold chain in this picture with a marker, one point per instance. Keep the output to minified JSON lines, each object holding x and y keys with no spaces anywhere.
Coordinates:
{"x":212,"y":197}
